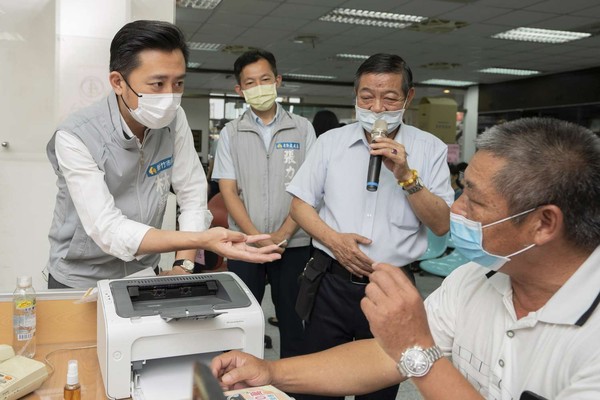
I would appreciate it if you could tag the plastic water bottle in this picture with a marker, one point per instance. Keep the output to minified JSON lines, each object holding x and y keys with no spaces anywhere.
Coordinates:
{"x":24,"y":317}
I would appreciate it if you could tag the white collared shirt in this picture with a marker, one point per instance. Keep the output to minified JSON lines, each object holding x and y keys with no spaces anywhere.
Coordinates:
{"x":114,"y":233}
{"x":554,"y":352}
{"x":335,"y":174}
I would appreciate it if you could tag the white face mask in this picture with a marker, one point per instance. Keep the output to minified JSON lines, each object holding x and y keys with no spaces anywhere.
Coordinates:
{"x":261,"y":97}
{"x":367,"y":118}
{"x":156,"y":111}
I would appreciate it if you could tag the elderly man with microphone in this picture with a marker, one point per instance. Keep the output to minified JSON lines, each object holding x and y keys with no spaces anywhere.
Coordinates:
{"x":366,"y":213}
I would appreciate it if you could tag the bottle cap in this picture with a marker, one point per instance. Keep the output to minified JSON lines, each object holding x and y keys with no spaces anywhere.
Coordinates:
{"x":24,"y":281}
{"x":72,"y":373}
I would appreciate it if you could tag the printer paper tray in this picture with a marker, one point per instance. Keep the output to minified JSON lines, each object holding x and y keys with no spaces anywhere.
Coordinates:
{"x":168,"y":378}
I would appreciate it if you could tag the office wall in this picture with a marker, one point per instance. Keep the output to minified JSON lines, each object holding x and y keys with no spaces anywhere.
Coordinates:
{"x":56,"y":63}
{"x":197,"y":111}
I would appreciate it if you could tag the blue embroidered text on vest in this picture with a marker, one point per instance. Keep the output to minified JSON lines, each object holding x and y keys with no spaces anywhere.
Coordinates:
{"x":287,"y":145}
{"x":160,"y":166}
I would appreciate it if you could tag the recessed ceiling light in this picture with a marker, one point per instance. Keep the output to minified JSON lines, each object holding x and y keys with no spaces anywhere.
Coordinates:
{"x":193,"y":64}
{"x":204,"y":46}
{"x":371,"y":18}
{"x":540,"y":35}
{"x":447,"y":82}
{"x":305,"y":39}
{"x":308,"y":76}
{"x":237,"y":49}
{"x":509,"y":71}
{"x":440,"y":65}
{"x":199,"y":4}
{"x":346,"y":56}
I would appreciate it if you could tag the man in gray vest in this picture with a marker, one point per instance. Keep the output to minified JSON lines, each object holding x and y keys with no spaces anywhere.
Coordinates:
{"x":257,"y":156}
{"x":115,"y":162}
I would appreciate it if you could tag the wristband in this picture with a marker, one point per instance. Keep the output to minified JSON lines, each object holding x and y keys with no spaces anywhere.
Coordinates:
{"x":410,"y":180}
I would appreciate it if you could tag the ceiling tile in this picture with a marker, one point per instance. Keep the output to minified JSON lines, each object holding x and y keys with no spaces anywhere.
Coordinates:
{"x":252,"y":7}
{"x":559,"y":6}
{"x":272,"y":24}
{"x":520,"y":18}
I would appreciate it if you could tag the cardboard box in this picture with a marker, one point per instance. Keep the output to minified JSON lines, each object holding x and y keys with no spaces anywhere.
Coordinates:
{"x":437,"y":115}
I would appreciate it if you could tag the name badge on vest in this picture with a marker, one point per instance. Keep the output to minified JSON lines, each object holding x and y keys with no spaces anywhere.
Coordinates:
{"x":289,"y":159}
{"x":159,"y":166}
{"x":287,"y":146}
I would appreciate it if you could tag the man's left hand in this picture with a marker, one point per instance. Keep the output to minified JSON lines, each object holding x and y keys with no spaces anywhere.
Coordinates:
{"x":395,"y":311}
{"x":394,"y":156}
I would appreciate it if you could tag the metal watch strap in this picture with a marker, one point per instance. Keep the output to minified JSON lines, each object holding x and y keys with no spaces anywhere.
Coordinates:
{"x":417,"y":186}
{"x":432,"y":354}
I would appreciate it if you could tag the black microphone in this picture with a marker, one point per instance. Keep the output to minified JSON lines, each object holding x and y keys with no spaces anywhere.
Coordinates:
{"x":379,"y":129}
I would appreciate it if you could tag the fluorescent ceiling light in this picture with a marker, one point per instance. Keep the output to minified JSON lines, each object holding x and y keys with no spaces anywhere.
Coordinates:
{"x":509,"y":71}
{"x":308,"y":76}
{"x":352,"y":56}
{"x":371,"y":18}
{"x":199,"y":4}
{"x":13,"y":37}
{"x":204,"y":46}
{"x":194,"y":64}
{"x":294,"y":100}
{"x":540,"y":35}
{"x":447,"y":82}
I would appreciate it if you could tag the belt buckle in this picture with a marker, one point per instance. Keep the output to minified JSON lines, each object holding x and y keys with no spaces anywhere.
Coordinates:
{"x":358,"y":280}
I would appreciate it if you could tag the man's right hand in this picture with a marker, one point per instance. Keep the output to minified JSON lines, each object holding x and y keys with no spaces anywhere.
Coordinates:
{"x":346,"y":251}
{"x":237,"y":246}
{"x":237,"y":370}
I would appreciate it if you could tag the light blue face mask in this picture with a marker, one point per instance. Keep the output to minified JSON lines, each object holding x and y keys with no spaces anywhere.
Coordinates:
{"x":468,"y":240}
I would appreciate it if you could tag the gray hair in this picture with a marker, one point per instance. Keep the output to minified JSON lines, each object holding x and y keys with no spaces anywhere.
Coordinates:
{"x":550,"y":162}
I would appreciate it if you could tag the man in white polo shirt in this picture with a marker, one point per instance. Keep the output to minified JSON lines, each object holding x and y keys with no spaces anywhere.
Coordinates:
{"x":521,"y":321}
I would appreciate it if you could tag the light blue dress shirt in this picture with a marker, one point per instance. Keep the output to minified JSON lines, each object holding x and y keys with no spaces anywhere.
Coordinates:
{"x":223,"y":168}
{"x":334,"y":175}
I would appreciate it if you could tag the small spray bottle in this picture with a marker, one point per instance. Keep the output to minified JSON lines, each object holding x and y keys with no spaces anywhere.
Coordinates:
{"x":72,"y":388}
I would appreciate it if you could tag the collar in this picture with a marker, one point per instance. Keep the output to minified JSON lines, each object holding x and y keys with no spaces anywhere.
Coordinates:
{"x":126,"y":129}
{"x":121,"y":131}
{"x":259,"y":121}
{"x":574,"y":302}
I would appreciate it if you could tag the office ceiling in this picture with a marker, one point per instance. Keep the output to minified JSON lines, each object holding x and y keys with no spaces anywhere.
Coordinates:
{"x":274,"y":24}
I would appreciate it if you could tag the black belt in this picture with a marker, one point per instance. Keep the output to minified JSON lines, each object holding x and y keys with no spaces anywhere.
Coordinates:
{"x":338,"y":269}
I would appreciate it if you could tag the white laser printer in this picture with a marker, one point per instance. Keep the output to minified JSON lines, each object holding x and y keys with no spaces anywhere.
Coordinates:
{"x":164,"y":319}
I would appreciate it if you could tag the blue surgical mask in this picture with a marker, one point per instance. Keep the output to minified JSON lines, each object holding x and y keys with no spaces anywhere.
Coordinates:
{"x":367,"y":118}
{"x":467,"y":236}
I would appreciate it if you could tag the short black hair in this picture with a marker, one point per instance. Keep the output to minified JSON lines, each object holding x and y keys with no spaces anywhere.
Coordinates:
{"x":325,"y":120}
{"x":141,"y":35}
{"x":383,"y":63}
{"x":560,"y":163}
{"x":251,"y":57}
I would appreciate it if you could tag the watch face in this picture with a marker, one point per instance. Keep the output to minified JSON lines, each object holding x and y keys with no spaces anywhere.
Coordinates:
{"x":416,"y":362}
{"x":189,"y":265}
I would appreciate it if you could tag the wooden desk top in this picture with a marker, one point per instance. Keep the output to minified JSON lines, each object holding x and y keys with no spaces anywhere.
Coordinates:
{"x":62,"y":324}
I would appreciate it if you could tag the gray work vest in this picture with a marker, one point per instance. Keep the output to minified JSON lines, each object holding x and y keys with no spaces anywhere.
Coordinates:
{"x":262,"y":176}
{"x":138,"y":179}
